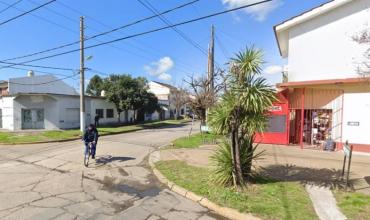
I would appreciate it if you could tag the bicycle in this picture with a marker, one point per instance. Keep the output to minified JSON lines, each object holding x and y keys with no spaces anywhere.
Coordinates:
{"x":87,"y":155}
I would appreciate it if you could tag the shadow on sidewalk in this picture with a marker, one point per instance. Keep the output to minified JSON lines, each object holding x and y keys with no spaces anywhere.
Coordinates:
{"x":109,"y":159}
{"x":320,"y":177}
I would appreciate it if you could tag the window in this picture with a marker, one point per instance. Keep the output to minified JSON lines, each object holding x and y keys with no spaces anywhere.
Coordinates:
{"x":99,"y":112}
{"x":110,"y":113}
{"x":276,"y":124}
{"x":182,"y":111}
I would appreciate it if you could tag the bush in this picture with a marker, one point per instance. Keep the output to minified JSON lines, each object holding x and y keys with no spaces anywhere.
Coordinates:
{"x":222,"y":172}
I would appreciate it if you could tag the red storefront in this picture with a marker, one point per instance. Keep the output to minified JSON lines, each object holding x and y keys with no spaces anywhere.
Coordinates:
{"x":277,"y":131}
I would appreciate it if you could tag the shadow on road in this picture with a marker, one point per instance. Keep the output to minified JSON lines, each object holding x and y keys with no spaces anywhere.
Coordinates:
{"x":109,"y":159}
{"x":321,"y":177}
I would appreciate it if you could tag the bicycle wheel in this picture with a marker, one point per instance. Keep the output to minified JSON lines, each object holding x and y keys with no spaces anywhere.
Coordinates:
{"x":87,"y":157}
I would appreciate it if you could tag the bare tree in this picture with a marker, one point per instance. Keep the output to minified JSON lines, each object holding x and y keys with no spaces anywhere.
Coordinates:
{"x":179,"y":98}
{"x":363,"y":38}
{"x":202,"y":98}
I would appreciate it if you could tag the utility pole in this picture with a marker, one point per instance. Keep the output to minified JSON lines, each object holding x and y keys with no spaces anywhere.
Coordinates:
{"x":82,"y":75}
{"x":211,"y":62}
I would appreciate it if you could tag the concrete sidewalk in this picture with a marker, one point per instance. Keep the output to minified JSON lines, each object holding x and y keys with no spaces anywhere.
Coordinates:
{"x":290,"y":163}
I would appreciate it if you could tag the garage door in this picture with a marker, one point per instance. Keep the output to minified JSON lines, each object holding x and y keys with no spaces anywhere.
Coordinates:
{"x":73,"y":117}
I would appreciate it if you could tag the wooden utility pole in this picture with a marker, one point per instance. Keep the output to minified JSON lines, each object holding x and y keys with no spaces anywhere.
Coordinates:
{"x":211,"y":62}
{"x":82,"y":76}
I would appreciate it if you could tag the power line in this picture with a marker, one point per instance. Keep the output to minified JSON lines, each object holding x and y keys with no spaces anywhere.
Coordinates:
{"x":151,"y":8}
{"x":223,"y":49}
{"x":43,"y":19}
{"x":37,"y":71}
{"x":103,"y":33}
{"x":11,"y":5}
{"x":26,"y":12}
{"x":150,"y":31}
{"x":38,"y":66}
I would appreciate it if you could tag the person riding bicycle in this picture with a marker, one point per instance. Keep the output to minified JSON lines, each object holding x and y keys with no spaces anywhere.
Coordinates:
{"x":91,"y":136}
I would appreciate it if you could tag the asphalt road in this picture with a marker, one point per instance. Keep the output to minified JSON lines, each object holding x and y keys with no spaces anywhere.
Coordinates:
{"x":49,"y":181}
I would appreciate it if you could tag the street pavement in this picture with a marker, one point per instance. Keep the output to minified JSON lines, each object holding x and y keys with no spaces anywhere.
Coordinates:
{"x":49,"y":181}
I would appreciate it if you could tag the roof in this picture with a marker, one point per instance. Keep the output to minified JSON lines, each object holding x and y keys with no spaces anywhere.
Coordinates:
{"x":281,"y":30}
{"x":324,"y":82}
{"x":165,"y":85}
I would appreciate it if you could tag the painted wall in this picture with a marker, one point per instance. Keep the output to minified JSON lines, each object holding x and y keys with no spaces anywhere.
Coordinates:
{"x":322,"y":48}
{"x":356,"y":109}
{"x":49,"y":104}
{"x":6,"y":105}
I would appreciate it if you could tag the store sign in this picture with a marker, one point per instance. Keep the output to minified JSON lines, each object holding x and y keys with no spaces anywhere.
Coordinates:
{"x":353,"y":123}
{"x":275,"y":108}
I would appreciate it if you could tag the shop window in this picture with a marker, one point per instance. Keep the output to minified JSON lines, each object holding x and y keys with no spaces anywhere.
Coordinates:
{"x":99,"y":112}
{"x":110,"y":113}
{"x":276,"y":124}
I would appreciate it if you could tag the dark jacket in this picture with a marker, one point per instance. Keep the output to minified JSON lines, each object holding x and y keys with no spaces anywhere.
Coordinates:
{"x":91,"y":136}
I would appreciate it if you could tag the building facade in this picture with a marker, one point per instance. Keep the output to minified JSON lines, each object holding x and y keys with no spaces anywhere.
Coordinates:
{"x":326,"y":95}
{"x":44,"y":102}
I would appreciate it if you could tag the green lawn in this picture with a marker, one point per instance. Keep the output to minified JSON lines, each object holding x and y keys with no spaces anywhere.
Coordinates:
{"x":266,"y":199}
{"x":354,"y":205}
{"x":41,"y":136}
{"x":194,"y":140}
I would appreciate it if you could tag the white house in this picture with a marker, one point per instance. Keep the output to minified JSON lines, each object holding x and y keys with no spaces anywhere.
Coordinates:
{"x":327,"y":97}
{"x":165,"y":94}
{"x":45,"y":102}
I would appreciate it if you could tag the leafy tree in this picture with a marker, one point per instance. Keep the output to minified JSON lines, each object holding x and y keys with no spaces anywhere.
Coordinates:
{"x":241,"y":113}
{"x":129,"y":93}
{"x":95,"y":86}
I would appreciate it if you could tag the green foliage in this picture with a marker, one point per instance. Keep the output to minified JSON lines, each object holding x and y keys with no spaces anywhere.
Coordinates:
{"x":129,"y":93}
{"x":354,"y":205}
{"x":195,"y":140}
{"x":242,"y":112}
{"x":268,"y":199}
{"x":95,"y":86}
{"x":222,"y":169}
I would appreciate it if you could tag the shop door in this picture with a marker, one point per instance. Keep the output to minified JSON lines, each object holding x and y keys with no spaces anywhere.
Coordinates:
{"x":33,"y":119}
{"x":277,"y":126}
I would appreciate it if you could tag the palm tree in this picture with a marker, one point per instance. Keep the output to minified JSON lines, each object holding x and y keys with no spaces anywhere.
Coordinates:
{"x":242,"y":113}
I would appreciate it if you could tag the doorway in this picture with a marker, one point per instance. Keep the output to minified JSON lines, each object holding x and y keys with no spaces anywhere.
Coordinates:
{"x":33,"y":119}
{"x":317,"y":126}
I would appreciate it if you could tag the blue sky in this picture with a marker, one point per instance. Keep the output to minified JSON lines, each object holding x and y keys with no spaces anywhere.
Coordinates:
{"x":162,"y":56}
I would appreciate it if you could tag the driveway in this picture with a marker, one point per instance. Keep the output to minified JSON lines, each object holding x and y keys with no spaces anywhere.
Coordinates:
{"x":49,"y":181}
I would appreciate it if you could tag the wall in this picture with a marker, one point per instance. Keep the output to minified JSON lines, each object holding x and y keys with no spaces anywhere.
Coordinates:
{"x":356,"y":109}
{"x":6,"y":104}
{"x":48,"y":103}
{"x":322,"y":48}
{"x":97,"y":103}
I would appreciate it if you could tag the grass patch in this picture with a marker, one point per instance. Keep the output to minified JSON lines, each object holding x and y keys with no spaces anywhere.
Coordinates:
{"x":42,"y":136}
{"x":353,"y":205}
{"x":266,"y":199}
{"x":195,"y":140}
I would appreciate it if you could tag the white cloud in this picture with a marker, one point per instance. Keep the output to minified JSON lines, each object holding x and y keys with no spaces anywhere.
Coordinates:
{"x":274,"y":69}
{"x":159,"y":67}
{"x":258,"y":12}
{"x":165,"y":77}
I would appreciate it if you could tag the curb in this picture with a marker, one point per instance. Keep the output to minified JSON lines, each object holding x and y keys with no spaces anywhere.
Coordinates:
{"x":224,"y":211}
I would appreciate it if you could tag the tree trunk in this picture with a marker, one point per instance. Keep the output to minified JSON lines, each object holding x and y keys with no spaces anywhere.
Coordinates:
{"x":238,"y":166}
{"x":126,"y":116}
{"x":235,"y":176}
{"x":119,"y":116}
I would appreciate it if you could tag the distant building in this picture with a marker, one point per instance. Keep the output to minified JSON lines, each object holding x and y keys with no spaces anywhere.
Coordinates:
{"x":164,"y":92}
{"x":323,"y":96}
{"x":45,"y":102}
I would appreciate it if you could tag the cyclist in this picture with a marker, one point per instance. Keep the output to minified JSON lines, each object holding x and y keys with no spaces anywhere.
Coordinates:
{"x":91,"y":137}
